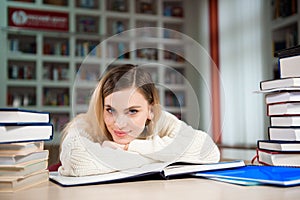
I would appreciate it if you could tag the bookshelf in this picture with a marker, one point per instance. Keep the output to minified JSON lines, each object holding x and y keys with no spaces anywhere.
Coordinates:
{"x":39,"y":66}
{"x":285,"y":26}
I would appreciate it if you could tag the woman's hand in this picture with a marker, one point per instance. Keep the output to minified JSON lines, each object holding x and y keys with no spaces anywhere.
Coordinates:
{"x":114,"y":145}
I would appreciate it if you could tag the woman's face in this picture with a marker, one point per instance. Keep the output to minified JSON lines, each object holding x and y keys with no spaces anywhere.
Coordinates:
{"x":125,"y":114}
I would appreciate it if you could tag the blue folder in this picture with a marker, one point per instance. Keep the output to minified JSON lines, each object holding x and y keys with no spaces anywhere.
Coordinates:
{"x":270,"y":175}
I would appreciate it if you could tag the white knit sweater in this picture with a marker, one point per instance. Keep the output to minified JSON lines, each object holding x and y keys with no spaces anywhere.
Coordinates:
{"x":81,"y":155}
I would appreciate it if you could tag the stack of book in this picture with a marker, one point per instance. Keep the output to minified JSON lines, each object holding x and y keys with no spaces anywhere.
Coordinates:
{"x":283,"y":108}
{"x":23,"y":159}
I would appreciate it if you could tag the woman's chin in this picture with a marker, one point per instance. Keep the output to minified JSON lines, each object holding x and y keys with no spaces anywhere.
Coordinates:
{"x":122,"y":141}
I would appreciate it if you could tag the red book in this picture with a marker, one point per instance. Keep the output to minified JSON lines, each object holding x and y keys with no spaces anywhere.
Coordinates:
{"x":277,"y":158}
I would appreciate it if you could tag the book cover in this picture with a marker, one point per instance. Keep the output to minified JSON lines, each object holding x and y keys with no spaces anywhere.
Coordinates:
{"x":26,"y":132}
{"x":269,"y":175}
{"x":17,"y":115}
{"x":157,"y":170}
{"x":288,"y":52}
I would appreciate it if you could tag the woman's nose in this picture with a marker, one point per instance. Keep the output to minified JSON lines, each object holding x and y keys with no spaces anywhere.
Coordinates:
{"x":120,"y":121}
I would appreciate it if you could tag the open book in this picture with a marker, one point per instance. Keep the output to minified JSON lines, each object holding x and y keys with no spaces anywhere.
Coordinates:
{"x":161,"y":170}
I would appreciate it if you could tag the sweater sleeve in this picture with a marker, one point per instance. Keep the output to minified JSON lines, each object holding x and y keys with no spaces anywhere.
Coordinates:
{"x":166,"y":123}
{"x":81,"y":156}
{"x":183,"y":143}
{"x":76,"y":160}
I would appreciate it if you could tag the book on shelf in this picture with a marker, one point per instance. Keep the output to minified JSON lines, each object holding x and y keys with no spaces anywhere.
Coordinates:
{"x":285,"y":121}
{"x":13,"y":159}
{"x":17,"y":98}
{"x":157,"y":170}
{"x":278,"y":158}
{"x":22,"y":72}
{"x":280,"y":97}
{"x":293,"y":83}
{"x":279,"y":145}
{"x":87,"y":4}
{"x":284,"y":133}
{"x":88,"y":48}
{"x":283,"y":109}
{"x":17,"y":115}
{"x":20,"y":148}
{"x":261,"y":175}
{"x":23,"y":169}
{"x":283,"y":8}
{"x":25,"y":132}
{"x":11,"y":183}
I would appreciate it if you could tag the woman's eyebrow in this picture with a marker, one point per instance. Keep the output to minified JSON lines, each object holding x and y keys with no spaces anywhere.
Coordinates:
{"x":127,"y":109}
{"x":132,"y":107}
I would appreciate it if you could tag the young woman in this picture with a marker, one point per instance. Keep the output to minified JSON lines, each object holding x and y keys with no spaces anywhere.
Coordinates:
{"x":125,"y":127}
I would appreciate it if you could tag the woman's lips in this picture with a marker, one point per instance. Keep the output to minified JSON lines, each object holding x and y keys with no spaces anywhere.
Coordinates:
{"x":120,"y":133}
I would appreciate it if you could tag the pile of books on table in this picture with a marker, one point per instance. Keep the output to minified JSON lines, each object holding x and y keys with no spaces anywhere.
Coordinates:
{"x":283,"y":108}
{"x":23,"y":159}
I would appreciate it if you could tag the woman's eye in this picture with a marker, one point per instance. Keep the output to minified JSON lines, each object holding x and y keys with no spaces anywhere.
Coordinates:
{"x":110,"y":110}
{"x":132,"y":111}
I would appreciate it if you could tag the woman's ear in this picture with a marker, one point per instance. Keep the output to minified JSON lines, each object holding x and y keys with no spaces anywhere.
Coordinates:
{"x":150,"y":113}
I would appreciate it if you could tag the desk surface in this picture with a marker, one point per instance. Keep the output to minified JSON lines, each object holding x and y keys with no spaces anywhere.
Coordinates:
{"x":190,"y":188}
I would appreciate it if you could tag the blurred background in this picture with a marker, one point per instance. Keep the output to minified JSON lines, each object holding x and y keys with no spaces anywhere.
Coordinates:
{"x":44,"y":44}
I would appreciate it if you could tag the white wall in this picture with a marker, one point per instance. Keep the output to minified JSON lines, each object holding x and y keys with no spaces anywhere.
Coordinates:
{"x":242,"y":66}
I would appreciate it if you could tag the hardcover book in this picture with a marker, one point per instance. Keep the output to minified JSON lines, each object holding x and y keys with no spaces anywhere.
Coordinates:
{"x":289,"y":66}
{"x":20,"y":148}
{"x":280,"y":97}
{"x":292,"y":83}
{"x":288,"y":52}
{"x":285,"y":121}
{"x":11,"y":183}
{"x":279,"y":145}
{"x":17,"y":115}
{"x":284,"y":109}
{"x":278,"y":158}
{"x":284,"y":133}
{"x":25,"y":132}
{"x":6,"y":160}
{"x":23,"y":169}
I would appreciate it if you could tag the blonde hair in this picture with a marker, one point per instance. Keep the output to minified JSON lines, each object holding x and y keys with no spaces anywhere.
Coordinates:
{"x":115,"y":79}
